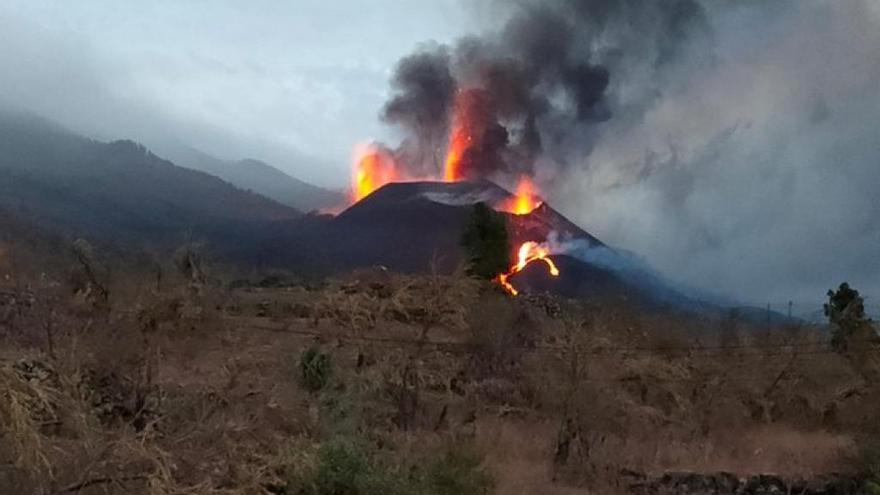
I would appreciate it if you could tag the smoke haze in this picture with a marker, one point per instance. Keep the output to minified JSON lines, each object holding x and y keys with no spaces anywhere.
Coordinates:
{"x":733,"y":145}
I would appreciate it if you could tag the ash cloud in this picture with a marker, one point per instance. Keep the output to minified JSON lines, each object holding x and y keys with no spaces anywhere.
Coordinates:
{"x":535,"y":84}
{"x":424,"y":88}
{"x":733,"y":145}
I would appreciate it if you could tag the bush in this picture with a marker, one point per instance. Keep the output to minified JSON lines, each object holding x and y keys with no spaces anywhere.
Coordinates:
{"x":458,"y":471}
{"x":314,"y":369}
{"x":345,"y":467}
{"x":869,"y":465}
{"x":342,"y":469}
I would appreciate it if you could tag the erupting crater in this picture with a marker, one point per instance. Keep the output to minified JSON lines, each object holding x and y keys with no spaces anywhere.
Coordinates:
{"x":378,"y":178}
{"x":429,"y":216}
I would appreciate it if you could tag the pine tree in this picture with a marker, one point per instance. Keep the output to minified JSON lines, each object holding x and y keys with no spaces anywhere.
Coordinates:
{"x":485,"y":241}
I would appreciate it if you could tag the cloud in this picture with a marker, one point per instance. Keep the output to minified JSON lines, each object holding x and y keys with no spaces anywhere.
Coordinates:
{"x":294,"y":84}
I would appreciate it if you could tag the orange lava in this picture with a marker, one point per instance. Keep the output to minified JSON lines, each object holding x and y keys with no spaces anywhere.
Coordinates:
{"x":528,"y":252}
{"x":458,"y":143}
{"x":373,"y":168}
{"x":524,"y":201}
{"x":460,"y":140}
{"x":472,"y":114}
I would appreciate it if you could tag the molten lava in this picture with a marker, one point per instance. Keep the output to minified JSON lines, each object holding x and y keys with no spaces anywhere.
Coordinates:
{"x":528,"y":252}
{"x":460,"y":139}
{"x":475,"y":137}
{"x":524,"y":201}
{"x":373,"y":168}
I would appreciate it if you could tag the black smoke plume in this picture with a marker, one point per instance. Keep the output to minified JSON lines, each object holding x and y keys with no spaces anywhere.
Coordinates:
{"x":534,"y":86}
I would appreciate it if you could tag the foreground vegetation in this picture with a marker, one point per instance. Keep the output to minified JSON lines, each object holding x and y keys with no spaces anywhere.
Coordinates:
{"x":178,"y":380}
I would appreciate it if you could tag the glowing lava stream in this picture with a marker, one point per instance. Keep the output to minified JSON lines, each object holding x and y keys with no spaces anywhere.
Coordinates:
{"x":528,"y":252}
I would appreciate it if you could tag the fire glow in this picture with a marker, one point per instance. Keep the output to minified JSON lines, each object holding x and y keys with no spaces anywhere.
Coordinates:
{"x":529,"y":252}
{"x":466,"y":158}
{"x":373,"y":168}
{"x":470,"y":133}
{"x":524,"y":201}
{"x":459,"y":142}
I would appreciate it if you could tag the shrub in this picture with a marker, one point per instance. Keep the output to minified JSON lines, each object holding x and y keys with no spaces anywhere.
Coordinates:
{"x":869,"y":465}
{"x":314,"y":369}
{"x":346,"y":467}
{"x":457,"y":471}
{"x":343,"y":469}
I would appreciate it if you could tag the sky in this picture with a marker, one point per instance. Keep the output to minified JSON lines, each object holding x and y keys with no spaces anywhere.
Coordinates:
{"x":296,"y":83}
{"x":742,"y":160}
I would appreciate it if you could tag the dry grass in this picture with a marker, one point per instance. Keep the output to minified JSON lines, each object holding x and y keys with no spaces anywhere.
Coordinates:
{"x":175,"y":391}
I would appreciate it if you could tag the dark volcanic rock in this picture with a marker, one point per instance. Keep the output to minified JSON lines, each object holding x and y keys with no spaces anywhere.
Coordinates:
{"x":413,"y":227}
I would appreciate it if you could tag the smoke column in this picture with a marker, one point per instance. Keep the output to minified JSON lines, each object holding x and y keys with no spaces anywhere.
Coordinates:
{"x":732,"y":144}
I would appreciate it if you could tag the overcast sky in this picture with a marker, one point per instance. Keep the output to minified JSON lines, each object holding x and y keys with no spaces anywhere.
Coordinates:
{"x":268,"y":79}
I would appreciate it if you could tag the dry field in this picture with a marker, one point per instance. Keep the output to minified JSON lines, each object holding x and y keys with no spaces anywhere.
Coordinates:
{"x":383,"y":383}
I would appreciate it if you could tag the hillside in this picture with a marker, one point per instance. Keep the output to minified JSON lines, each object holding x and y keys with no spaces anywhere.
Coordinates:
{"x":257,"y":176}
{"x":117,"y":190}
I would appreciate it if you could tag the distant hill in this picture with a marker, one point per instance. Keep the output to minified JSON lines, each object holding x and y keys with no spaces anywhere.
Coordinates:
{"x":259,"y":177}
{"x":118,"y":190}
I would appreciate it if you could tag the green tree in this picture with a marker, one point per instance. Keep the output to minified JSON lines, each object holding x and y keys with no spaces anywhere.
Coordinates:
{"x":845,"y":310}
{"x":485,"y":242}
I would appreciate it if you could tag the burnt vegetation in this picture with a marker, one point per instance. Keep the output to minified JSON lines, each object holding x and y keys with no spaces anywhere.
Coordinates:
{"x":187,"y":377}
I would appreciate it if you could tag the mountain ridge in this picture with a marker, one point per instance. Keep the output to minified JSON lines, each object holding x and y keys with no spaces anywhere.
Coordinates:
{"x":257,"y":176}
{"x":117,"y":189}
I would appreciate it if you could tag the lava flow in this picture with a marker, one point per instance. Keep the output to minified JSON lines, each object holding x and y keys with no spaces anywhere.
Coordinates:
{"x":528,"y":252}
{"x":373,"y":168}
{"x":524,"y":201}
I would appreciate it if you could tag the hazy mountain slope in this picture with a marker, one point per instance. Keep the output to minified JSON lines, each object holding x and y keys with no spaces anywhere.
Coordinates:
{"x":117,"y":189}
{"x":257,"y":176}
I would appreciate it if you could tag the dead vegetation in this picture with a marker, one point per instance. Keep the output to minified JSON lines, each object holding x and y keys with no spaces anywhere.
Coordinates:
{"x":385,"y":383}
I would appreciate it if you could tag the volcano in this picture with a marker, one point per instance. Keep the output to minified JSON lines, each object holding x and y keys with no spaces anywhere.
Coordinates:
{"x":416,"y":227}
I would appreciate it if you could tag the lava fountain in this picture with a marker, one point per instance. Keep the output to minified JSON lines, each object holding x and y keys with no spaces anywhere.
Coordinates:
{"x":472,"y":152}
{"x":460,"y":139}
{"x":373,"y":168}
{"x":524,"y":201}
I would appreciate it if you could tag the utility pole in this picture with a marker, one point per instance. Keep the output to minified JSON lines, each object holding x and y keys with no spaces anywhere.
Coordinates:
{"x":768,"y":313}
{"x":789,"y":309}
